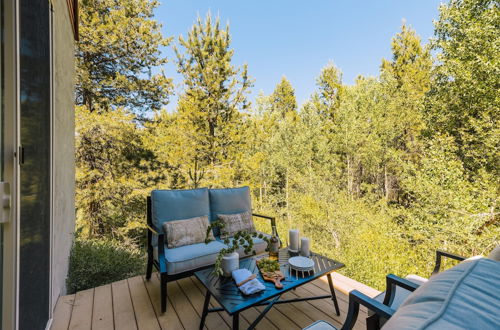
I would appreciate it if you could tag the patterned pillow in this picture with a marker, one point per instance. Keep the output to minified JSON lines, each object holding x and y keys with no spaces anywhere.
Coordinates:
{"x":236,"y":222}
{"x":186,"y":232}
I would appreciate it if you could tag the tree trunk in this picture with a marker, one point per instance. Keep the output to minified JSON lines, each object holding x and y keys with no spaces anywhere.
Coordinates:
{"x":349,"y":182}
{"x":287,"y":202}
{"x":386,"y":183}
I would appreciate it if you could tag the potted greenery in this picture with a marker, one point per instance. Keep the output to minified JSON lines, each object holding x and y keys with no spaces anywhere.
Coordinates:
{"x":228,"y":259}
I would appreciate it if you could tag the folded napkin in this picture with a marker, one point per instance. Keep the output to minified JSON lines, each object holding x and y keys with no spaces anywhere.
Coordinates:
{"x":249,"y":287}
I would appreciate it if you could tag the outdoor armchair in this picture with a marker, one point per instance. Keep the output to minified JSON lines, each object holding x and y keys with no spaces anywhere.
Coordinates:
{"x":357,"y":298}
{"x":397,"y":295}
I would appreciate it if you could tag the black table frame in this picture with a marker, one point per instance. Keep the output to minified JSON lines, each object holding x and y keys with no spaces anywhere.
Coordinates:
{"x":323,"y":266}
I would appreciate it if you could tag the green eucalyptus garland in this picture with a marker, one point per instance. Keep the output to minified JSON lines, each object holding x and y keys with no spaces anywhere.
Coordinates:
{"x":242,"y":239}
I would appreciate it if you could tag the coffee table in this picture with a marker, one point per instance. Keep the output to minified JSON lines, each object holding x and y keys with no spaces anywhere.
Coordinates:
{"x":227,"y":294}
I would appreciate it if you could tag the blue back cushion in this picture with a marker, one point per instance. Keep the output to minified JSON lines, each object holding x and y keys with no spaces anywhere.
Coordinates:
{"x":168,"y":205}
{"x":229,"y":201}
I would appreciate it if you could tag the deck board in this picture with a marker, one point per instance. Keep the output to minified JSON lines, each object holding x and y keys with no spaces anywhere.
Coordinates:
{"x":214,"y":321}
{"x":123,"y":310}
{"x":144,"y":311}
{"x":62,"y":312}
{"x":169,"y":319}
{"x":134,"y":304}
{"x":102,"y":315}
{"x":81,"y":315}
{"x":187,"y":314}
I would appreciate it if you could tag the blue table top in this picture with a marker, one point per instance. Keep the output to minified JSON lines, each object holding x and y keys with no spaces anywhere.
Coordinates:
{"x":227,"y":294}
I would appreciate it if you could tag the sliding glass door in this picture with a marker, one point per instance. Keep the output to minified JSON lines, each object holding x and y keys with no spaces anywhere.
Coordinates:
{"x":35,"y":145}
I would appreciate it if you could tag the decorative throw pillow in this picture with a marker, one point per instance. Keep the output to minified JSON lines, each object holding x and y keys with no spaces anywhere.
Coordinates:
{"x":186,"y":232}
{"x":236,"y":222}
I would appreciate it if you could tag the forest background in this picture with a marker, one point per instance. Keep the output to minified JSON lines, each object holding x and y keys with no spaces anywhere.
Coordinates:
{"x":379,"y":174}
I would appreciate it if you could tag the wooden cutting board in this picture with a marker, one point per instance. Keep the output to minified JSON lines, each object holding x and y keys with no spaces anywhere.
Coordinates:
{"x":274,"y":277}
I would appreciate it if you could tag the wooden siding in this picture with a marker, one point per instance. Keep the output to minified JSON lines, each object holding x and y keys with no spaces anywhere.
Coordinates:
{"x":73,"y":16}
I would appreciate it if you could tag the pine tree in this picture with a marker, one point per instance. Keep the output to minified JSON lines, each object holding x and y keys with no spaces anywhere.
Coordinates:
{"x":214,"y":96}
{"x":405,"y":81}
{"x":330,"y":90}
{"x":282,"y":100}
{"x":118,"y":54}
{"x":281,"y":143}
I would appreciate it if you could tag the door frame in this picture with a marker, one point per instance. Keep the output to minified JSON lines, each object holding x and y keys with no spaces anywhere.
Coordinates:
{"x":10,"y":146}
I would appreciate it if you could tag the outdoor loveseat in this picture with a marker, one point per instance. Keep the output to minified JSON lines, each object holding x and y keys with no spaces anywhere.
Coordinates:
{"x":172,"y":205}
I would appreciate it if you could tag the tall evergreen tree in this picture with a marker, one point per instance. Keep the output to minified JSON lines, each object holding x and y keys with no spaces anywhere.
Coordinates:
{"x":282,"y":100}
{"x":281,"y":144}
{"x":330,"y":90}
{"x":405,"y":81}
{"x":119,"y":50}
{"x":214,"y":94}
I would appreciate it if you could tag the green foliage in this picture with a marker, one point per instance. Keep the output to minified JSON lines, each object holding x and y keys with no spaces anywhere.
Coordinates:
{"x":96,"y":262}
{"x":242,"y":239}
{"x":119,"y":45}
{"x":464,"y":101}
{"x":378,"y":174}
{"x":111,"y":162}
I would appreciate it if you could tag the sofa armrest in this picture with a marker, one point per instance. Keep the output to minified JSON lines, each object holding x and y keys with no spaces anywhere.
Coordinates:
{"x":273,"y":219}
{"x":391,"y":282}
{"x":154,"y":229}
{"x":439,"y":257}
{"x":357,"y":298}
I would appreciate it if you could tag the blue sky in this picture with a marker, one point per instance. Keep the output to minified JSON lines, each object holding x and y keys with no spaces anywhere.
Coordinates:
{"x":297,"y":38}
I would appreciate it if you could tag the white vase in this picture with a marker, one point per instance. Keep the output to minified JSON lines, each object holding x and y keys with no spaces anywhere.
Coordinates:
{"x":229,"y":263}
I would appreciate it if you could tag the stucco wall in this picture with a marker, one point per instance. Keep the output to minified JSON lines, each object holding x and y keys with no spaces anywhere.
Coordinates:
{"x":63,"y":147}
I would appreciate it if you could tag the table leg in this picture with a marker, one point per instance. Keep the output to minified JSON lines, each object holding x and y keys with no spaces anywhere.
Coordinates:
{"x":205,"y":310}
{"x":236,"y":321}
{"x":334,"y":297}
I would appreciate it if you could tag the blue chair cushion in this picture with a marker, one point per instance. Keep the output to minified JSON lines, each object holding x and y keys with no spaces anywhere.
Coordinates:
{"x":190,"y":257}
{"x":320,"y":325}
{"x":229,"y":201}
{"x":466,"y":296}
{"x":168,"y":205}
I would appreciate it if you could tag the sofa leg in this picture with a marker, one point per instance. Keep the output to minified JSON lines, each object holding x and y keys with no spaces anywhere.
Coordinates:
{"x":163,"y":291}
{"x":149,"y":268}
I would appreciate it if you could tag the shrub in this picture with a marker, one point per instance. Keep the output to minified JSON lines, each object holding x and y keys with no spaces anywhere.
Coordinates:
{"x":96,"y":262}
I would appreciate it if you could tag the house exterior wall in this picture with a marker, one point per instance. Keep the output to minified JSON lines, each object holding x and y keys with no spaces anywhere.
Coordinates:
{"x":63,"y":204}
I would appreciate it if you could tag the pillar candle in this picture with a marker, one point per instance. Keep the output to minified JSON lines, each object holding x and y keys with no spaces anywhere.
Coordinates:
{"x":304,"y":247}
{"x":293,"y":235}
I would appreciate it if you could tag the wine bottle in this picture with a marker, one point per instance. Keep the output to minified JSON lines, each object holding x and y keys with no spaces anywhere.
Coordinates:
{"x":274,"y":245}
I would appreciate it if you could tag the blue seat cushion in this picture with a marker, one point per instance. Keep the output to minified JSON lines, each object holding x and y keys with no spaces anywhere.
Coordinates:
{"x":229,"y":201}
{"x":168,"y":205}
{"x":466,"y":296}
{"x":190,"y":257}
{"x":194,"y":256}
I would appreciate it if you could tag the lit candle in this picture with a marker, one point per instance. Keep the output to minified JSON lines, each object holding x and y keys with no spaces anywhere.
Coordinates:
{"x":294,"y":239}
{"x":304,"y":247}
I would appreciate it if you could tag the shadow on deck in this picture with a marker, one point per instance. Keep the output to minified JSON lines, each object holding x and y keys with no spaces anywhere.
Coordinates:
{"x":134,"y":304}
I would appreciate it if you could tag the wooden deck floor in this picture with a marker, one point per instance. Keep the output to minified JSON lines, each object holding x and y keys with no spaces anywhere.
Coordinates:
{"x":134,"y":304}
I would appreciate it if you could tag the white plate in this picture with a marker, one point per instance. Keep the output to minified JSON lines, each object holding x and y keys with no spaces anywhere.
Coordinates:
{"x":301,"y":262}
